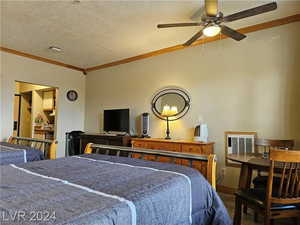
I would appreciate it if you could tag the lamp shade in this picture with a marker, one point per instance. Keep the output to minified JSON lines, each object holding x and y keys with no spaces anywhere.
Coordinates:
{"x":169,"y":111}
{"x":166,"y":111}
{"x":174,"y":110}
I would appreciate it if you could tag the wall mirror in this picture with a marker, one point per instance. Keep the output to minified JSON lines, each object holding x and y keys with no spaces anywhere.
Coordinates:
{"x":175,"y":101}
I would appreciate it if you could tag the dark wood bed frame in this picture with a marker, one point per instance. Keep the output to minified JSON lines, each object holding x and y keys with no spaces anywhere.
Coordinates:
{"x":130,"y":152}
{"x":48,"y":147}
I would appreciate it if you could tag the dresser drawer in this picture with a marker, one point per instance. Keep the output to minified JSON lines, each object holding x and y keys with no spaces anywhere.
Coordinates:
{"x":192,"y":148}
{"x":166,"y":147}
{"x":207,"y":149}
{"x":195,"y":149}
{"x":138,"y":144}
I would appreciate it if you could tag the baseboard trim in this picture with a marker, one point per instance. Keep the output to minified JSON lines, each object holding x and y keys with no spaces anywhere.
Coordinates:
{"x":225,"y":189}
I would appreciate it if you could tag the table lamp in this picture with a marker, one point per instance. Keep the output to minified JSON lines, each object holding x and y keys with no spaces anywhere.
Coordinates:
{"x":168,"y":112}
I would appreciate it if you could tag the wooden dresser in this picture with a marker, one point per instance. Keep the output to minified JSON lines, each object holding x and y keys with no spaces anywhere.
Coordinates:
{"x":184,"y":146}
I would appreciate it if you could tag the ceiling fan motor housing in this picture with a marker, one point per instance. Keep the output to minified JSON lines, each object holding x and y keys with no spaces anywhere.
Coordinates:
{"x":218,"y":19}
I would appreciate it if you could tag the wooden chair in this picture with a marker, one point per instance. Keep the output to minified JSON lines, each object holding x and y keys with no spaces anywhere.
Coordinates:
{"x":265,"y":145}
{"x":273,"y":143}
{"x":276,"y":201}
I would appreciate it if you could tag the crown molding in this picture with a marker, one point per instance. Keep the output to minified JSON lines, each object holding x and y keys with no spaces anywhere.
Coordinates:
{"x":38,"y":58}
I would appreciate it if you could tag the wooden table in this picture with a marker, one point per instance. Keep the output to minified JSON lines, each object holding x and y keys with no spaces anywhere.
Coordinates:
{"x":249,"y":162}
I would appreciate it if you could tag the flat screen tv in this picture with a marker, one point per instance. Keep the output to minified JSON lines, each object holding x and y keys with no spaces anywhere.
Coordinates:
{"x":116,"y":120}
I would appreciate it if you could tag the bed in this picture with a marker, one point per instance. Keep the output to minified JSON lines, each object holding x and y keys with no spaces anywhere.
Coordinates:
{"x":97,"y":189}
{"x":22,"y":150}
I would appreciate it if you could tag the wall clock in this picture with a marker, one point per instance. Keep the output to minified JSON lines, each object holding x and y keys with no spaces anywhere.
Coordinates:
{"x":72,"y":95}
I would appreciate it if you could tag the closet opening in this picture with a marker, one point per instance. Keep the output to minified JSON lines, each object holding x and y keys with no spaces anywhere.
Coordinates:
{"x":35,"y":111}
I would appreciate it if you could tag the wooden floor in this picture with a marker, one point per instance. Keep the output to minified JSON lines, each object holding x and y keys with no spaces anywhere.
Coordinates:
{"x":248,"y":219}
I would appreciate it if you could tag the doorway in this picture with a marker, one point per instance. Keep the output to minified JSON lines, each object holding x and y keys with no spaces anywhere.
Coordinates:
{"x":35,"y":111}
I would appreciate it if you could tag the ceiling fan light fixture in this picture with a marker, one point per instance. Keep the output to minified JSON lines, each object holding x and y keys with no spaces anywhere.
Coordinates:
{"x":212,"y":30}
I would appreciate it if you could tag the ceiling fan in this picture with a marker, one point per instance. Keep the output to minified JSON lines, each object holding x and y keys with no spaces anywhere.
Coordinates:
{"x":212,"y":21}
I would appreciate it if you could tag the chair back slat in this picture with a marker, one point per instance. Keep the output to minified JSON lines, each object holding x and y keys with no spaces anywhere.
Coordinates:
{"x":288,"y":181}
{"x":289,"y":188}
{"x":298,"y":183}
{"x":294,"y":181}
{"x":282,"y":180}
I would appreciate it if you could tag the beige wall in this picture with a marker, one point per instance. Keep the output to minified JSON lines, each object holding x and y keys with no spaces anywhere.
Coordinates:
{"x":252,"y":85}
{"x":70,"y":115}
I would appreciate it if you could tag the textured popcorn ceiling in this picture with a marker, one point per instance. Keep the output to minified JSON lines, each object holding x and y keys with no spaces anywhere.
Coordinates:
{"x":97,"y":32}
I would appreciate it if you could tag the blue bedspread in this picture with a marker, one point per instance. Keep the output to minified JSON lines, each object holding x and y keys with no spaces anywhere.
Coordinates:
{"x":108,"y":190}
{"x":16,"y":154}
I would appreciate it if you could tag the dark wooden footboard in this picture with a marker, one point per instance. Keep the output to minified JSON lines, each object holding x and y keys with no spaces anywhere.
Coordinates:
{"x":48,"y":147}
{"x":172,"y":156}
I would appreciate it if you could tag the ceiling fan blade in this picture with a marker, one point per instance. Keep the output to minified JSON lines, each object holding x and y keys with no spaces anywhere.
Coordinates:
{"x":251,"y":12}
{"x":178,"y":25}
{"x":194,"y":38}
{"x":211,"y":7}
{"x":232,"y":33}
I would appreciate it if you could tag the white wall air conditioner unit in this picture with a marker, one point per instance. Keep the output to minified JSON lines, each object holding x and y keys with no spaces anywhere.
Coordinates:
{"x":239,"y":143}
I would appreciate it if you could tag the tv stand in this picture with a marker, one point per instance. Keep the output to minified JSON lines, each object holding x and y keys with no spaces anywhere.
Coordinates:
{"x":105,"y":139}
